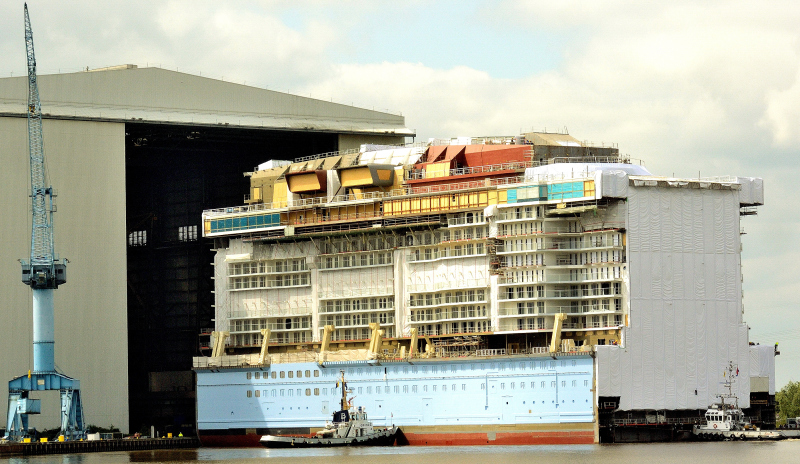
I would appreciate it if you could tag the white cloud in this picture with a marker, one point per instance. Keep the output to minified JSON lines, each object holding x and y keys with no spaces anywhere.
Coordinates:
{"x":687,"y":86}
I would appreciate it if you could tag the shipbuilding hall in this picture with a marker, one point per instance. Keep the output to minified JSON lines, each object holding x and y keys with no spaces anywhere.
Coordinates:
{"x":136,"y":155}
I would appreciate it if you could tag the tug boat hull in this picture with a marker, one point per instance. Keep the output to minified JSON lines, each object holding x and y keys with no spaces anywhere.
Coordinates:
{"x":378,"y":438}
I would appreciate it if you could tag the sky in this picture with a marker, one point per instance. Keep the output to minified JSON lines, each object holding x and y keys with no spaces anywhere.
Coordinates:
{"x":709,"y":88}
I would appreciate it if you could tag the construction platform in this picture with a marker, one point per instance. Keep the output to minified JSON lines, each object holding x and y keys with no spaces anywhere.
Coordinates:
{"x":93,"y":446}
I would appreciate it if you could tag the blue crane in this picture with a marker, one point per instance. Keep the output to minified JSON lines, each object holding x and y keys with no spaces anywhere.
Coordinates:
{"x":44,"y":272}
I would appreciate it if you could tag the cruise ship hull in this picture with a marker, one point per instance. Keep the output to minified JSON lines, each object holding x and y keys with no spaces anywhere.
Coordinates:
{"x":511,"y":401}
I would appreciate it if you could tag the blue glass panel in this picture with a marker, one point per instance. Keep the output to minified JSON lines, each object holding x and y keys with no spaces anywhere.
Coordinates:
{"x":512,"y":196}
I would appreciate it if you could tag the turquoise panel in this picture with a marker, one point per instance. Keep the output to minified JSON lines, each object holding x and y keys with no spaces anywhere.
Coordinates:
{"x":511,"y":196}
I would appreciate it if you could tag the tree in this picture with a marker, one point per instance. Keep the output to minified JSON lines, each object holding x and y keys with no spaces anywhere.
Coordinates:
{"x":788,"y":400}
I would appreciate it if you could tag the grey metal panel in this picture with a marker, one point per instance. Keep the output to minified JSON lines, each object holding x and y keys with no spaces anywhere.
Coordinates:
{"x":155,"y":94}
{"x":86,"y":165}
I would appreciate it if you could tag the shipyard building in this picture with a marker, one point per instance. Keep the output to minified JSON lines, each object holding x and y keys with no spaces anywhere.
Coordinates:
{"x":136,"y":155}
{"x":527,"y":289}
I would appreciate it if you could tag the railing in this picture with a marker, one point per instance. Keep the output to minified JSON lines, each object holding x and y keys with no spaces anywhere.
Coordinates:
{"x":270,"y":312}
{"x":355,"y":292}
{"x":551,"y":310}
{"x":422,"y":174}
{"x":591,"y":325}
{"x":371,"y":196}
{"x":442,"y":253}
{"x":462,"y":221}
{"x":327,"y":155}
{"x":447,"y":284}
{"x":387,"y":320}
{"x":447,"y":316}
{"x":509,"y":280}
{"x":227,"y":361}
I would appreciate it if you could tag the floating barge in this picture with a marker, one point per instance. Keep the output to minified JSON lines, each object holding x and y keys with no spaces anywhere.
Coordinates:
{"x":95,"y":446}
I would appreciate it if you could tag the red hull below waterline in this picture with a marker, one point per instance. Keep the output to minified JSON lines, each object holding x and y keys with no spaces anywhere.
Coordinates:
{"x":580,"y":437}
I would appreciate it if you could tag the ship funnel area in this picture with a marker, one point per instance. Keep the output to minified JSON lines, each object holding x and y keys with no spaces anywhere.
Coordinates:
{"x":43,"y":274}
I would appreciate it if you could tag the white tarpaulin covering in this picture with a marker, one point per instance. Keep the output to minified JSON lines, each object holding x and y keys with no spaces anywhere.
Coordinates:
{"x":395,"y":156}
{"x":685,"y":302}
{"x":762,"y":364}
{"x":612,"y":184}
{"x":752,"y":191}
{"x":578,"y":170}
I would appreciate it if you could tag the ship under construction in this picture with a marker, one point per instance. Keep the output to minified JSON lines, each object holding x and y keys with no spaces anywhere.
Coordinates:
{"x":479,"y":290}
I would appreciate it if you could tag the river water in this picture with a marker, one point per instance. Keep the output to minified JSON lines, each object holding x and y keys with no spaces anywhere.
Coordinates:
{"x":685,"y":453}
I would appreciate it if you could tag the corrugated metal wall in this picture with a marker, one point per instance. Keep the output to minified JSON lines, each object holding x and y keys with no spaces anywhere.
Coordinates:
{"x":86,"y":165}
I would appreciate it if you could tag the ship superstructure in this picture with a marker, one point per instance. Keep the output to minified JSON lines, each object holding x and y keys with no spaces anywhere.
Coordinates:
{"x":496,"y":264}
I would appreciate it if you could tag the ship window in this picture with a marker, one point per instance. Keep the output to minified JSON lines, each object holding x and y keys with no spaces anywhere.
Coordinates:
{"x":512,"y":385}
{"x":249,"y":393}
{"x":324,"y":391}
{"x":574,"y":383}
{"x":434,"y":388}
{"x":308,"y":392}
{"x":533,"y":384}
{"x":291,"y":374}
{"x":316,"y":392}
{"x":298,"y":392}
{"x":359,"y":390}
{"x":308,"y":373}
{"x":396,"y":389}
{"x":291,"y":392}
{"x":274,"y":374}
{"x":543,"y":383}
{"x":283,"y":392}
{"x":413,"y":389}
{"x":249,"y":375}
{"x":563,"y":383}
{"x":585,"y":383}
{"x":283,"y":374}
{"x":424,"y":388}
{"x":553,"y":384}
{"x":522,"y":385}
{"x":316,"y":373}
{"x":405,"y":388}
{"x":483,"y":386}
{"x":502,"y":386}
{"x":273,"y":392}
{"x":463,"y":387}
{"x":299,"y":374}
{"x":258,"y":375}
{"x":369,"y":390}
{"x":258,"y":393}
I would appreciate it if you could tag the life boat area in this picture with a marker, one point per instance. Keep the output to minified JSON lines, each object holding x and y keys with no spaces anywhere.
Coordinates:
{"x":94,"y":446}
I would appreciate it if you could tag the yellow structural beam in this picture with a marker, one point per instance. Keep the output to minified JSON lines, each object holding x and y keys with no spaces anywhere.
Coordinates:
{"x":262,"y":359}
{"x":557,"y":324}
{"x":413,"y":348}
{"x":326,"y":342}
{"x":219,"y":343}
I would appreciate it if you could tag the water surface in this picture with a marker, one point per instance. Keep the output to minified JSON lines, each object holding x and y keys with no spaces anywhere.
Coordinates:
{"x":707,"y":453}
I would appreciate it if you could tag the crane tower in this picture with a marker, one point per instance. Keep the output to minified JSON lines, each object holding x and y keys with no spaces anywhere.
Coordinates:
{"x":44,"y":272}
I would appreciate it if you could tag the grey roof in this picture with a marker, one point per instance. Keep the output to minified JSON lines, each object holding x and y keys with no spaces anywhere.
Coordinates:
{"x":159,"y":95}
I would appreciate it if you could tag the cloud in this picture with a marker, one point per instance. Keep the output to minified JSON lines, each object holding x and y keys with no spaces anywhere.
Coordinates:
{"x":687,"y":86}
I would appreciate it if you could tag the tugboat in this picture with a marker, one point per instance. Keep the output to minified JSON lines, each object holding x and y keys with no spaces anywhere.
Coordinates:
{"x":348,"y":428}
{"x":725,"y":420}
